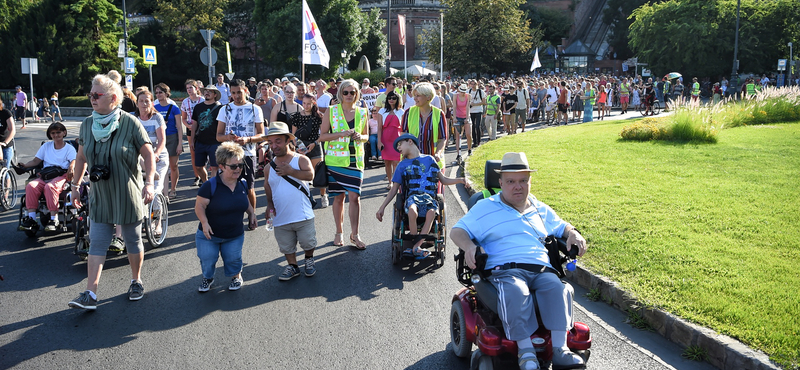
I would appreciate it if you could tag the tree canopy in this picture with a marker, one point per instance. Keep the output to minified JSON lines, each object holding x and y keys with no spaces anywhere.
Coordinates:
{"x":72,"y":39}
{"x":473,"y":45}
{"x":554,"y":23}
{"x":696,"y":37}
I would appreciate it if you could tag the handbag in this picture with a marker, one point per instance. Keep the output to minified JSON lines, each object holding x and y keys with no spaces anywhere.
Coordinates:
{"x":320,"y":175}
{"x":51,"y":172}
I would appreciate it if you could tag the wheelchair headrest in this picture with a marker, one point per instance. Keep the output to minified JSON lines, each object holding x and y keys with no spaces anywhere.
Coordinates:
{"x":491,"y":179}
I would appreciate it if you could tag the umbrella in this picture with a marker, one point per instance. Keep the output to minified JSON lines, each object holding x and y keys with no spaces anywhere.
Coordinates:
{"x":673,"y":75}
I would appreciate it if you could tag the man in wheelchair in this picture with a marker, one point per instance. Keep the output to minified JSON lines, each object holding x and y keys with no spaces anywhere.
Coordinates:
{"x":58,"y":158}
{"x":511,"y":227}
{"x":422,"y":175}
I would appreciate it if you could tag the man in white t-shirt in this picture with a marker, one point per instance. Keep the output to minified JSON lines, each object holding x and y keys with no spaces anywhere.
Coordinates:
{"x":764,"y":81}
{"x":478,"y":101}
{"x":224,"y":89}
{"x":241,"y":122}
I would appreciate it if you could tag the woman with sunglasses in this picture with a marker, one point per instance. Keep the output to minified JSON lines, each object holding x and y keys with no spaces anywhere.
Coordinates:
{"x":389,"y":129}
{"x":111,"y":142}
{"x":283,"y":112}
{"x":220,"y":203}
{"x":344,"y":131}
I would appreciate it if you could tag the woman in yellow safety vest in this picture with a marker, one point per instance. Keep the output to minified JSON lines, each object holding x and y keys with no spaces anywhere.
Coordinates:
{"x":344,"y":130}
{"x":426,"y":122}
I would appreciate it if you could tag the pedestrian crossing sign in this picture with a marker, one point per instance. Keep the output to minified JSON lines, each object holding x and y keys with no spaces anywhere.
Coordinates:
{"x":149,"y":54}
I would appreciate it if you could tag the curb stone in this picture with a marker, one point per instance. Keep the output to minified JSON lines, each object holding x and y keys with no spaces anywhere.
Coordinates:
{"x":723,"y":352}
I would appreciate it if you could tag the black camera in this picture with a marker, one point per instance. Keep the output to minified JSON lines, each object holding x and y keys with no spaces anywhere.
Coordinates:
{"x":99,"y":172}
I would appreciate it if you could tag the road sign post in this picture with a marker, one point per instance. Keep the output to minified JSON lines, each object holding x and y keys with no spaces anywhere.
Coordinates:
{"x":208,"y":55}
{"x":150,"y":59}
{"x":31,"y":67}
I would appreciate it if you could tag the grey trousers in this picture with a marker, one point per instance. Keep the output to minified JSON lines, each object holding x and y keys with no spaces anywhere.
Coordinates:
{"x":515,"y":303}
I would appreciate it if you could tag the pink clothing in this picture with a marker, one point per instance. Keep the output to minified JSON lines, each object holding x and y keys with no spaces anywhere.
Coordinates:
{"x":461,"y":108}
{"x":21,"y":97}
{"x":391,"y":131}
{"x":51,"y":190}
{"x":373,"y":126}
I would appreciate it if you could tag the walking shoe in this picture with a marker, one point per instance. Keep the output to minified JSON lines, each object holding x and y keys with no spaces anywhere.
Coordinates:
{"x":136,"y":291}
{"x":310,"y":269}
{"x":564,"y":357}
{"x":200,"y":183}
{"x":236,"y":283}
{"x":117,"y":245}
{"x":205,"y":285}
{"x":458,"y":159}
{"x":52,"y":225}
{"x":196,"y":181}
{"x":84,"y":301}
{"x":289,"y":273}
{"x":324,"y":203}
{"x":469,"y":153}
{"x":28,"y":223}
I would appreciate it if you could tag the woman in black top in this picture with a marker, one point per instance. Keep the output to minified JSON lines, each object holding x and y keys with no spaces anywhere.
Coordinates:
{"x":283,"y":112}
{"x":305,"y":128}
{"x":7,"y":132}
{"x":509,"y":103}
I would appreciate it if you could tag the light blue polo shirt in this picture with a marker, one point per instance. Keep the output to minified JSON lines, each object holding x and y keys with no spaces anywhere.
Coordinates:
{"x":510,"y":236}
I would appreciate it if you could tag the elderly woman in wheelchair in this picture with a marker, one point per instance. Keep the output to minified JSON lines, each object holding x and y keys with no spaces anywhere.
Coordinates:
{"x":57,"y":161}
{"x":516,"y":231}
{"x":419,"y":176}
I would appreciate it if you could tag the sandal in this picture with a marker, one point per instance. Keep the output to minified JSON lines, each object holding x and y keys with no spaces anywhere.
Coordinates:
{"x":338,"y":237}
{"x":357,"y":242}
{"x":421,"y":253}
{"x":172,"y":194}
{"x":523,"y":360}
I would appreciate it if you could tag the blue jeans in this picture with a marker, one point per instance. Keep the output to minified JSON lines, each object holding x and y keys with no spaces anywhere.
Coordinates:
{"x":8,"y":155}
{"x":209,"y":251}
{"x":373,"y":144}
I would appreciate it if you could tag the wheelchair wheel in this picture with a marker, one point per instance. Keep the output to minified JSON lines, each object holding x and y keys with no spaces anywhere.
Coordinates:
{"x":458,"y":331}
{"x":157,"y":218}
{"x":80,"y":226}
{"x":397,"y":243}
{"x":8,"y":189}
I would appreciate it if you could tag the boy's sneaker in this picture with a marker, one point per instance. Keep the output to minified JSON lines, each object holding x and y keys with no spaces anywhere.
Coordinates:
{"x":197,"y":181}
{"x":324,"y":203}
{"x":52,"y":225}
{"x":136,"y":291}
{"x":289,"y":273}
{"x":236,"y":283}
{"x":117,"y":245}
{"x":310,"y":269}
{"x":205,"y":285}
{"x":84,"y":301}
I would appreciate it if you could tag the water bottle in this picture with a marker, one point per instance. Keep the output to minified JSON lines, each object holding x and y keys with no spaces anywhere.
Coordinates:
{"x":270,"y":219}
{"x":301,"y":148}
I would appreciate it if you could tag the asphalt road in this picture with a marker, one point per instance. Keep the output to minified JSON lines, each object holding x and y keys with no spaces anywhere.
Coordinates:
{"x":358,"y":312}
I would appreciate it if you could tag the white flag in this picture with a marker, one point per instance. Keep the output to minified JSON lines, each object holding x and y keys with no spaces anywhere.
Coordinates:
{"x":536,"y":63}
{"x":314,"y":50}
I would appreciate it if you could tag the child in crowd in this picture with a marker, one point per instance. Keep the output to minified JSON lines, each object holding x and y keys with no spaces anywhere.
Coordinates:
{"x":423,"y":176}
{"x":373,"y":135}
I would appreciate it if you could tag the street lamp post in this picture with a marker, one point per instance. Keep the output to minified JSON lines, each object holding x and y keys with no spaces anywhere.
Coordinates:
{"x":389,"y":36}
{"x":791,"y":70}
{"x":735,"y":72}
{"x":344,"y":54}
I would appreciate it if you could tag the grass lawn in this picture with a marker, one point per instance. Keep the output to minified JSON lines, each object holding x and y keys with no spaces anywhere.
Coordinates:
{"x":709,"y":232}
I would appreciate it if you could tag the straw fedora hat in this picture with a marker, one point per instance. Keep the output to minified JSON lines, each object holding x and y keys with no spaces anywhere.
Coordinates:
{"x":462,"y":88}
{"x":514,"y":162}
{"x":279,"y":128}
{"x":211,"y":87}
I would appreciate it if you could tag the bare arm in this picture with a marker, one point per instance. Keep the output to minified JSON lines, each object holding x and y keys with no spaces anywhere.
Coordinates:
{"x":392,"y":192}
{"x":146,"y":151}
{"x":463,"y":241}
{"x":200,"y":205}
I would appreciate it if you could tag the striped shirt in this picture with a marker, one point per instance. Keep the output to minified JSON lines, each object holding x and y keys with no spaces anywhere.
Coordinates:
{"x":426,"y":143}
{"x":117,"y":200}
{"x":508,"y":235}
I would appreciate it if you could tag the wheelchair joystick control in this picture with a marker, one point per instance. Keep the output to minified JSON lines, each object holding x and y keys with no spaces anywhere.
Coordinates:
{"x":571,"y":265}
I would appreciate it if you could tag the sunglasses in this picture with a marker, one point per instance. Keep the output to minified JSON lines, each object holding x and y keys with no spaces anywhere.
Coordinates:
{"x":288,"y":92}
{"x":94,"y":96}
{"x":391,"y":98}
{"x":235,"y":166}
{"x":345,"y":93}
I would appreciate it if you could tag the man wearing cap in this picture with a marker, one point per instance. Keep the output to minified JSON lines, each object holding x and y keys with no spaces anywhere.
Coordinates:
{"x":289,"y":202}
{"x":241,"y":122}
{"x":203,"y":139}
{"x":224,"y":89}
{"x":511,"y":227}
{"x":20,"y":102}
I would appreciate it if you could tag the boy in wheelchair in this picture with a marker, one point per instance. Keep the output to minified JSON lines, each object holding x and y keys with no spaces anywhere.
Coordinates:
{"x":422,"y":174}
{"x":511,"y":227}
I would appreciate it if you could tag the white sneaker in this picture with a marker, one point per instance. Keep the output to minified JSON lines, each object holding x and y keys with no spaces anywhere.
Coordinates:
{"x":324,"y":203}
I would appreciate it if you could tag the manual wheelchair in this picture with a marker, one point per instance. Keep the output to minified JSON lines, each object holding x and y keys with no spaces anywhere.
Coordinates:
{"x":402,"y":239}
{"x":474,"y":315}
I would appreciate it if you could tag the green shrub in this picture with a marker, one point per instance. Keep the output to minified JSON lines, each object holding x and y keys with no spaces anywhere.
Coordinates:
{"x":687,"y":125}
{"x":74,"y":101}
{"x":645,"y":129}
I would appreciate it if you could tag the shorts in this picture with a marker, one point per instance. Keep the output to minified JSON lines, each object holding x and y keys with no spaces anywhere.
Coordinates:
{"x":562,"y":107}
{"x":290,"y":234}
{"x":20,"y":112}
{"x":54,"y":109}
{"x":424,"y":203}
{"x":624,"y":99}
{"x":460,"y":121}
{"x":172,"y":145}
{"x":249,"y":172}
{"x":315,"y":153}
{"x":101,"y":234}
{"x":203,"y":152}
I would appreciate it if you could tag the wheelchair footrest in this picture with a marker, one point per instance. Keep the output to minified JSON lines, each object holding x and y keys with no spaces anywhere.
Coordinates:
{"x":426,"y":237}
